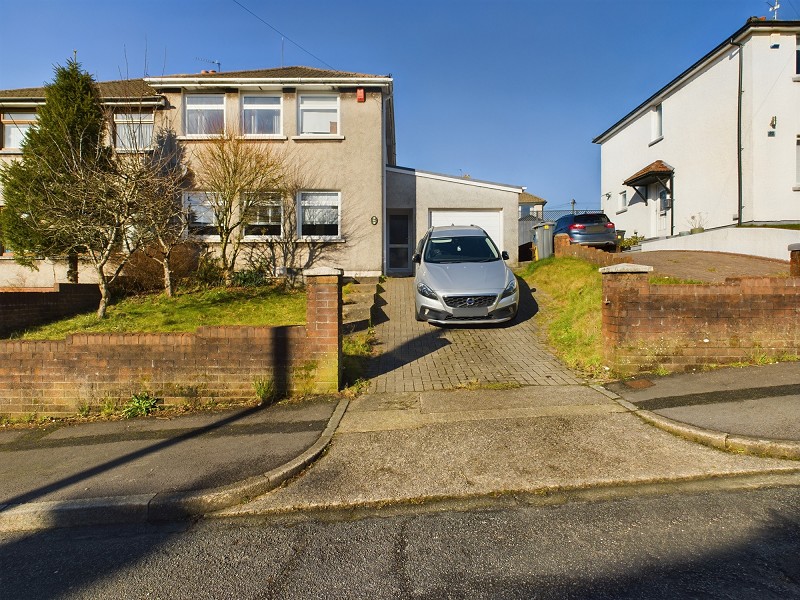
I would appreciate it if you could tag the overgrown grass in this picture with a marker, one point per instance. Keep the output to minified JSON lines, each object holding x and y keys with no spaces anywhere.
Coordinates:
{"x":185,"y":312}
{"x":569,"y":297}
{"x":356,"y":351}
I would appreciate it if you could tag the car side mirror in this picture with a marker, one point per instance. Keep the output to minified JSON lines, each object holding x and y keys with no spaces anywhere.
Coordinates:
{"x":504,"y":254}
{"x":415,"y":257}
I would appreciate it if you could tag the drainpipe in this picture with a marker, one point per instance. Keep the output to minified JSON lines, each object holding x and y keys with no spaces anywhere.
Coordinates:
{"x":739,"y":135}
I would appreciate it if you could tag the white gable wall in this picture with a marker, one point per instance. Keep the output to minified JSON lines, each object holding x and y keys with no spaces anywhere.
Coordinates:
{"x":700,"y":140}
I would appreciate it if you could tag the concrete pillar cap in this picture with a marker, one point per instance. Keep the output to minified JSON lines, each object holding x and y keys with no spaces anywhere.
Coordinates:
{"x":625,"y":268}
{"x":794,"y":247}
{"x":321,"y":272}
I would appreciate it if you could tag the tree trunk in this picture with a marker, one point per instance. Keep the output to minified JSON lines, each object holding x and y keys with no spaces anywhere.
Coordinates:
{"x":168,"y":287}
{"x":72,"y":268}
{"x":104,"y":299}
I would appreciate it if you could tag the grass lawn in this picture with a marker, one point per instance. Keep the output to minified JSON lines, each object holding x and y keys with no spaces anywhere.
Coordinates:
{"x":569,"y":293}
{"x":185,"y":312}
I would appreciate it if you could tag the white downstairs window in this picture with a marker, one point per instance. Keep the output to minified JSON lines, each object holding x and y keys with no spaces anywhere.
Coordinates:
{"x":320,"y":215}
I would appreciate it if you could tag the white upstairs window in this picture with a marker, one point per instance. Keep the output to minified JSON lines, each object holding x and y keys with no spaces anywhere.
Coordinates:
{"x":319,"y":114}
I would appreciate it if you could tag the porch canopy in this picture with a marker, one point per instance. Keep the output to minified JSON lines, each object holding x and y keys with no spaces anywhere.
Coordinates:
{"x":656,"y":172}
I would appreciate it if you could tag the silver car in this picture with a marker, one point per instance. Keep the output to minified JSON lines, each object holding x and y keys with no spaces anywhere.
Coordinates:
{"x":462,"y":278}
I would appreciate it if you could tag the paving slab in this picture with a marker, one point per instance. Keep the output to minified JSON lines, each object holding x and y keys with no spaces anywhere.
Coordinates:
{"x":466,"y":457}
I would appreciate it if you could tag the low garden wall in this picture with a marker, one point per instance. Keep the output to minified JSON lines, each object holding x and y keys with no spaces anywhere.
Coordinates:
{"x":60,"y":377}
{"x":669,"y":327}
{"x":602,"y":258}
{"x":21,"y":308}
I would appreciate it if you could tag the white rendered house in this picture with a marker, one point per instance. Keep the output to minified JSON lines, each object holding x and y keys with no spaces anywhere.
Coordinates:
{"x":717,"y":147}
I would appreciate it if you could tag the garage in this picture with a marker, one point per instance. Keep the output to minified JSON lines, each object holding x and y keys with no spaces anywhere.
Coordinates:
{"x":427,"y":199}
{"x":490,"y":220}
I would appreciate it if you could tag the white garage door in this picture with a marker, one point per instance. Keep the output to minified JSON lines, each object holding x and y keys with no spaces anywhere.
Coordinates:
{"x":490,"y":220}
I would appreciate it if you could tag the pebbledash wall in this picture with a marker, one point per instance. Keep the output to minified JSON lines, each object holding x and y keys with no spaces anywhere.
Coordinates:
{"x":680,"y":327}
{"x":213,"y":363}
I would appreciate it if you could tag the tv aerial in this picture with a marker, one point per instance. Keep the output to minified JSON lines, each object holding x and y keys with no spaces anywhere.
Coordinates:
{"x":214,"y":62}
{"x":773,"y":8}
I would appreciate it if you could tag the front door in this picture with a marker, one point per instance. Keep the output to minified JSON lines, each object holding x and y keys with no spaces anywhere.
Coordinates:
{"x":399,"y":243}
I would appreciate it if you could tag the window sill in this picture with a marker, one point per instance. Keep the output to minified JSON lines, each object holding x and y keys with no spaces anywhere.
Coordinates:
{"x":282,"y":138}
{"x":796,"y":188}
{"x":329,"y":240}
{"x":129,"y":151}
{"x":655,"y":141}
{"x":263,"y":238}
{"x":623,"y":210}
{"x":10,"y":151}
{"x":302,"y":138}
{"x":190,"y":138}
{"x":796,"y":78}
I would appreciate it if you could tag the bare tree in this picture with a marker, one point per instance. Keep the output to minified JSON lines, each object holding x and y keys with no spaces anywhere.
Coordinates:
{"x":285,"y":252}
{"x":161,"y":220}
{"x":239,"y":177}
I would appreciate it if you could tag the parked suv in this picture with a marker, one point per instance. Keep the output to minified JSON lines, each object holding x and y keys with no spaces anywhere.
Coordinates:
{"x":462,"y":278}
{"x":594,"y":229}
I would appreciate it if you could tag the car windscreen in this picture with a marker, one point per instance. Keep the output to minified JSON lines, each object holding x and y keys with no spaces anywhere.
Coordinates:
{"x":472,"y":248}
{"x":589,"y":219}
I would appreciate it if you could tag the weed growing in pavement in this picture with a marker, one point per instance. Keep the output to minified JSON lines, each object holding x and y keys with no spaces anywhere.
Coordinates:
{"x":84,"y":409}
{"x":108,"y":407}
{"x":358,"y":387}
{"x":140,"y":405}
{"x":264,"y":388}
{"x":475,"y":384}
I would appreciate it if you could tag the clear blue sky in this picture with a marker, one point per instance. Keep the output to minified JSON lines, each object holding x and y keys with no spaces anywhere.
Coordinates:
{"x":511,"y":91}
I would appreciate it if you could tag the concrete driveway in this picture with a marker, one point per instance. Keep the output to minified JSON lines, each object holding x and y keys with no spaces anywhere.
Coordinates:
{"x":417,"y":357}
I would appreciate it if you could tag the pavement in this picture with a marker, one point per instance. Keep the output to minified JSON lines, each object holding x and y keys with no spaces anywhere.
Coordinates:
{"x":452,"y":415}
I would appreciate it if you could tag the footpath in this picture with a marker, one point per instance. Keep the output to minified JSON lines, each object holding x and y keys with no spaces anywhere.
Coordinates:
{"x":516,"y":441}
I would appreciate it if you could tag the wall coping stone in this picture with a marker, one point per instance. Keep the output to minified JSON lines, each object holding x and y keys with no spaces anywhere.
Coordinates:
{"x":322,"y":272}
{"x":794,"y":247}
{"x":625,"y":268}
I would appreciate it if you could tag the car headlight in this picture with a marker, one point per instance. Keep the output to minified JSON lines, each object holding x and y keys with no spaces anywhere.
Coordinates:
{"x":510,"y":288}
{"x":426,"y":291}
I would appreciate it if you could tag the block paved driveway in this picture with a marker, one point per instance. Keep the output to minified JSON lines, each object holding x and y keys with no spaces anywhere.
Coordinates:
{"x":417,"y":357}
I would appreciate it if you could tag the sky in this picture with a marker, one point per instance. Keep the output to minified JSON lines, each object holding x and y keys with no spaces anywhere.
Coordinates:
{"x":509,"y":91}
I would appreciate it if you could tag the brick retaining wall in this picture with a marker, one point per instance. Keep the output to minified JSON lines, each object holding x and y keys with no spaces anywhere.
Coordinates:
{"x":214,"y":363}
{"x":21,"y":308}
{"x":680,"y":327}
{"x":602,"y":258}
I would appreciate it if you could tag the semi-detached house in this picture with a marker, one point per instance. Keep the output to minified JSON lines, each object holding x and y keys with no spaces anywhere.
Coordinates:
{"x":717,"y":147}
{"x":338,"y":126}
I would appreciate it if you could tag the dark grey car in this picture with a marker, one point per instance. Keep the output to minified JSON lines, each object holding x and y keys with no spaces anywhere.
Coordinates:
{"x":594,"y":229}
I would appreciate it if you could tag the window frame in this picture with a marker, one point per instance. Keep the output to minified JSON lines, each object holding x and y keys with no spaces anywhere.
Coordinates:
{"x":7,"y":122}
{"x":275,"y":201}
{"x":186,"y":109}
{"x":187,"y":205}
{"x":301,"y":213}
{"x":657,"y":124}
{"x":277,"y":134}
{"x":144,"y":118}
{"x":300,"y":112}
{"x":622,"y":201}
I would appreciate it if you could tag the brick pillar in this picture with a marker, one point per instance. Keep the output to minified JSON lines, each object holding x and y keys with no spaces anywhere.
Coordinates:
{"x":794,"y":260}
{"x":324,"y":326}
{"x":560,"y":242}
{"x":620,"y":283}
